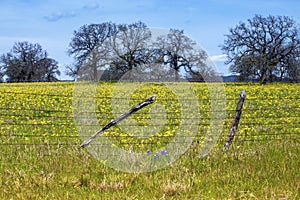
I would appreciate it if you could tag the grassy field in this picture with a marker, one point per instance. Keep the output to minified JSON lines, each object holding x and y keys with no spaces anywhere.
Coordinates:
{"x":40,"y":157}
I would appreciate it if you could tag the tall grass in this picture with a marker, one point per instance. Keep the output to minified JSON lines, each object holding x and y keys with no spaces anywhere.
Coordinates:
{"x":268,"y":170}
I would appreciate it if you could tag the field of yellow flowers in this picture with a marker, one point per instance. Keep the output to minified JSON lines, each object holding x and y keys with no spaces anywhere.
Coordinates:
{"x":40,"y":157}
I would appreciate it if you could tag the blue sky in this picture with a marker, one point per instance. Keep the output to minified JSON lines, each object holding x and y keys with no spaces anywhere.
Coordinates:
{"x":52,"y":22}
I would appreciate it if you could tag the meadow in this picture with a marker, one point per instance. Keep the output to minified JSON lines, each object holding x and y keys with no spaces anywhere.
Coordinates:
{"x":41,"y":158}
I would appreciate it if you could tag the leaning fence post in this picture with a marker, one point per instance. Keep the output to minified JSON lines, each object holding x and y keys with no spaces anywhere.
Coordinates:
{"x":113,"y":122}
{"x":235,"y":121}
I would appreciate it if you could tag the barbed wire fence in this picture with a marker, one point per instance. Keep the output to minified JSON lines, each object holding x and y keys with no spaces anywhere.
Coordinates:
{"x":54,"y":126}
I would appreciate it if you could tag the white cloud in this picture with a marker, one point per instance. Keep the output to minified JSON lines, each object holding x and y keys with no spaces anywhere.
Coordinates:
{"x":91,"y":6}
{"x":55,"y":16}
{"x":219,"y":58}
{"x":70,"y":13}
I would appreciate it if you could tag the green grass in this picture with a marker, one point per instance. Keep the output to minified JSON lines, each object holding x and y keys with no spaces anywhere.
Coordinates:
{"x":40,"y":156}
{"x":255,"y":171}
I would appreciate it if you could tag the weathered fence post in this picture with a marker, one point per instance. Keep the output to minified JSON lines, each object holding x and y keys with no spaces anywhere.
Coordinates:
{"x":113,"y":122}
{"x":235,"y":121}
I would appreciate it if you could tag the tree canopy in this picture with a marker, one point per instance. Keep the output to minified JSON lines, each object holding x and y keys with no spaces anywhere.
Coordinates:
{"x":261,"y":49}
{"x":131,"y":46}
{"x":87,"y":45}
{"x":28,"y":62}
{"x":264,"y":49}
{"x":180,"y":52}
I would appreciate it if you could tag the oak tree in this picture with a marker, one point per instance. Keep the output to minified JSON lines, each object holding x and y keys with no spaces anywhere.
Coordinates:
{"x":180,"y":53}
{"x":88,"y":48}
{"x":28,"y":62}
{"x":264,"y":49}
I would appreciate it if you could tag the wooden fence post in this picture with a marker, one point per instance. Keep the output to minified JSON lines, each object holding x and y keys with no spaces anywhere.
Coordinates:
{"x":113,"y":122}
{"x":235,"y":121}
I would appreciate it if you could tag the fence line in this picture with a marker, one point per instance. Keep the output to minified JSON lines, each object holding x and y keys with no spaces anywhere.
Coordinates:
{"x":110,"y":97}
{"x":267,"y":123}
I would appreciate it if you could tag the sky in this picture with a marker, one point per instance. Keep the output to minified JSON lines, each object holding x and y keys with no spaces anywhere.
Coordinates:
{"x":51,"y":23}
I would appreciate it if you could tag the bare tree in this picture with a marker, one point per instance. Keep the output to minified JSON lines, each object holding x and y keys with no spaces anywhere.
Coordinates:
{"x":87,"y":47}
{"x":29,"y":62}
{"x":180,"y":52}
{"x":117,"y":49}
{"x":263,"y":48}
{"x":130,"y":47}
